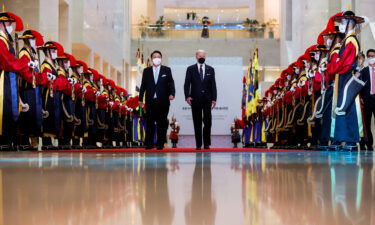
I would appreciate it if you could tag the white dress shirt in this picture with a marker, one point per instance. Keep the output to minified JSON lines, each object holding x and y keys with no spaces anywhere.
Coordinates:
{"x":371,"y":69}
{"x":156,"y":70}
{"x":203,"y":68}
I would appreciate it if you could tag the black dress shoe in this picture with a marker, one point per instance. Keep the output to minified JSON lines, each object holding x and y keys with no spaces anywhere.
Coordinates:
{"x":5,"y":148}
{"x":149,"y":147}
{"x":198,"y":148}
{"x":160,"y":148}
{"x":206,"y":147}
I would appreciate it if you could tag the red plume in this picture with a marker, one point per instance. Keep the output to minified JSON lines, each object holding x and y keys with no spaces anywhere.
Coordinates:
{"x":38,"y":38}
{"x":83,"y":64}
{"x":17,"y":20}
{"x":60,"y":48}
{"x":95,"y":73}
{"x":73,"y":61}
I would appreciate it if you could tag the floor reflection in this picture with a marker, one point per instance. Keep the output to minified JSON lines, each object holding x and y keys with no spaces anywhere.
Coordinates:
{"x":201,"y":208}
{"x":192,"y":189}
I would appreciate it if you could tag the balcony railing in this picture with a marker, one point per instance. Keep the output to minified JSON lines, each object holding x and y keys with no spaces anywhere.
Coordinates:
{"x":194,"y":31}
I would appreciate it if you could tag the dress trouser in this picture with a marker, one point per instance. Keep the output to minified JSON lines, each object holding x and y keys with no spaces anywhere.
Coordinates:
{"x":156,"y":114}
{"x":202,"y":112}
{"x":368,"y":111}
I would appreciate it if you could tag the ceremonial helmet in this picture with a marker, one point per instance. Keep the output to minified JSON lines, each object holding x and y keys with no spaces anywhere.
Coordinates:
{"x":13,"y":18}
{"x":33,"y":34}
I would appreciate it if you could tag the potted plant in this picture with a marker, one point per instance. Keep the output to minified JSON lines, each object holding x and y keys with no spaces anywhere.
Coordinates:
{"x":157,"y":28}
{"x":252,"y":26}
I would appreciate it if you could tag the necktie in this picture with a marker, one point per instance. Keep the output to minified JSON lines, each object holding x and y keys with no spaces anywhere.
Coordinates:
{"x":373,"y":81}
{"x":201,"y":72}
{"x":156,"y":75}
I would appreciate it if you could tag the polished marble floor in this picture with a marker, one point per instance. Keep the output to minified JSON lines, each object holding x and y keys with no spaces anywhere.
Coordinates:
{"x":186,"y":188}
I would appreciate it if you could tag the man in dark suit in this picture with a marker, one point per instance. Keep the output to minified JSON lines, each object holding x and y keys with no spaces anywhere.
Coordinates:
{"x":158,"y":83}
{"x":201,"y":94}
{"x":368,"y":96}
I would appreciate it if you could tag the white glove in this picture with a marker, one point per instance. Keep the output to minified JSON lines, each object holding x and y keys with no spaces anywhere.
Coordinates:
{"x":97,"y":93}
{"x":36,"y":63}
{"x":25,"y":107}
{"x":33,"y":64}
{"x":324,"y":61}
{"x":323,"y":68}
{"x":111,"y":103}
{"x":311,"y":74}
{"x":72,"y":81}
{"x":84,"y":90}
{"x":50,"y":76}
{"x":293,"y":89}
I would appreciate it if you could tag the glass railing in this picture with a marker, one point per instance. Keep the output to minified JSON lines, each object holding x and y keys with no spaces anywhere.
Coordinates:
{"x":194,"y":31}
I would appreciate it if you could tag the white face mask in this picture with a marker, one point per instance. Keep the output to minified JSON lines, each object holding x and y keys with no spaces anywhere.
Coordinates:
{"x":80,"y":70}
{"x":33,"y":43}
{"x":54,"y":55}
{"x":297,"y":70}
{"x":156,"y":61}
{"x":67,"y":65}
{"x":317,"y":56}
{"x":307,"y":65}
{"x":329,"y":43}
{"x":371,"y":61}
{"x":288,"y":77}
{"x":9,"y":29}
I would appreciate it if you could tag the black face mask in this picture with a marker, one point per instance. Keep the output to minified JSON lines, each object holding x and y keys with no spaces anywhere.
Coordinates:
{"x":201,"y":60}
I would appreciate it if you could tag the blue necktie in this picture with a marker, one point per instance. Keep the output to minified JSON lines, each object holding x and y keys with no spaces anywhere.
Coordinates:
{"x":201,"y":72}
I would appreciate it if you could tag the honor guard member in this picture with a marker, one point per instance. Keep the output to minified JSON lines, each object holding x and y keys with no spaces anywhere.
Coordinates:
{"x":319,"y":56}
{"x":68,"y":117}
{"x":109,"y":132}
{"x":116,"y":102}
{"x":175,"y":130}
{"x":30,"y":123}
{"x":90,"y":107}
{"x":332,"y":38}
{"x":51,"y":94}
{"x":347,"y":124}
{"x":10,"y":65}
{"x":122,"y":118}
{"x":79,"y":68}
{"x":101,"y":98}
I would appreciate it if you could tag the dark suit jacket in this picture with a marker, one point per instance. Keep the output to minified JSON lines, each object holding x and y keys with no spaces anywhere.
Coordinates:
{"x":368,"y":99}
{"x":196,"y":89}
{"x":163,"y":88}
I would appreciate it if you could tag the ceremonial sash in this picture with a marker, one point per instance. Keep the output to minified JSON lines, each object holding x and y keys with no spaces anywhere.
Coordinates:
{"x":14,"y":94}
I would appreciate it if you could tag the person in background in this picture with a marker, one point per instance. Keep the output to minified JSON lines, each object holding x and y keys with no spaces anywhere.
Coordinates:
{"x":368,"y":97}
{"x":175,"y":129}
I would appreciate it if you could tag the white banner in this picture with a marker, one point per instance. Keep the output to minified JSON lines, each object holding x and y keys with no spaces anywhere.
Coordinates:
{"x":229,"y":74}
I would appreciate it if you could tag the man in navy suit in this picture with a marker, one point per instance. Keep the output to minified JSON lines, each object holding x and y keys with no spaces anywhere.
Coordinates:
{"x":200,"y":94}
{"x":158,"y":86}
{"x":368,"y":96}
